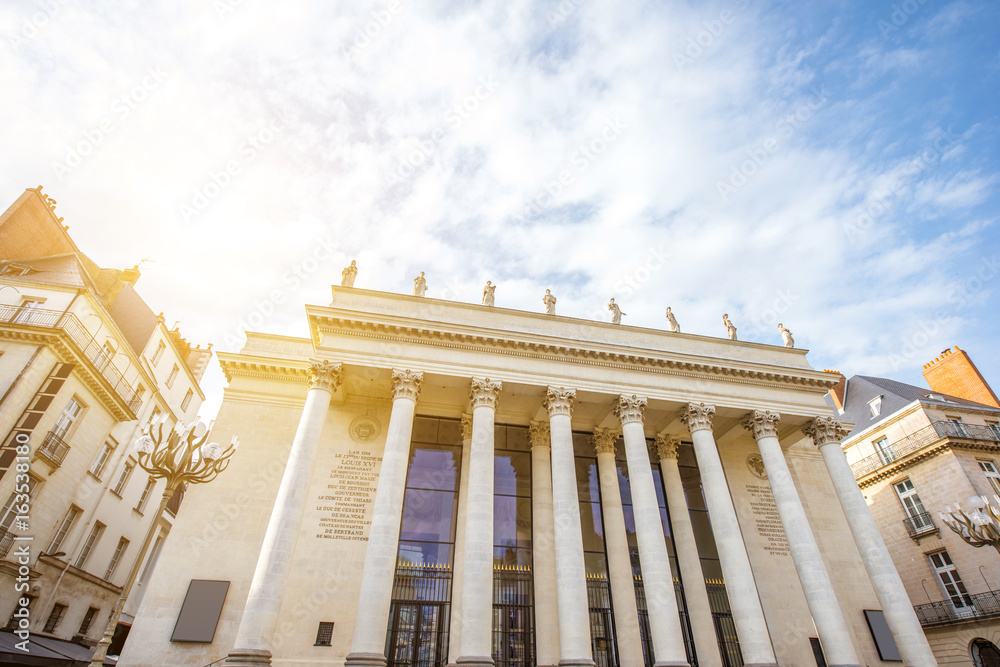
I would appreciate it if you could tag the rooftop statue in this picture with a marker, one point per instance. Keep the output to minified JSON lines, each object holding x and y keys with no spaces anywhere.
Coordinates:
{"x":488,"y":291}
{"x":672,"y":321}
{"x":349,"y":274}
{"x":786,"y":335}
{"x":616,"y":312}
{"x":730,"y":328}
{"x":419,"y":285}
{"x":550,"y":303}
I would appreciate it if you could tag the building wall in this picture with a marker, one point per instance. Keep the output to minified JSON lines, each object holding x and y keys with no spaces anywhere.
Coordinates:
{"x":263,"y":404}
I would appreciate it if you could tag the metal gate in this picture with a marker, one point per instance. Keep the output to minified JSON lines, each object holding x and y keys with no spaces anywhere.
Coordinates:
{"x":725,"y":629}
{"x":602,"y":622}
{"x":419,"y":616}
{"x":513,"y":616}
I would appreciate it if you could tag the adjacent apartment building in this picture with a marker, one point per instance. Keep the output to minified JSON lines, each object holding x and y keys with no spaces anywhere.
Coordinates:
{"x":426,"y":482}
{"x":914,"y":451}
{"x":84,"y":365}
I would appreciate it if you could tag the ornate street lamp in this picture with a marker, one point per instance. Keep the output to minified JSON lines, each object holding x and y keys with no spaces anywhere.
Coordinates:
{"x":182,"y":457}
{"x":979,"y":528}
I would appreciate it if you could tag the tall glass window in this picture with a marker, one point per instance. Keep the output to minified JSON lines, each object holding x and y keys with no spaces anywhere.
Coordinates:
{"x":421,"y":596}
{"x":725,"y":628}
{"x":625,"y":489}
{"x":513,"y":602}
{"x":602,"y":624}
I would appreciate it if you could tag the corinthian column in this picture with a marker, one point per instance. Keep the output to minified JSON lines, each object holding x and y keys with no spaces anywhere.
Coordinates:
{"x":477,"y":563}
{"x":911,"y":641}
{"x":571,"y":572}
{"x":688,"y":560}
{"x":616,"y":543}
{"x":543,"y":547}
{"x":260,"y":613}
{"x":657,"y":579}
{"x":372,"y":616}
{"x":748,"y":616}
{"x":838,"y":645}
{"x":455,"y":626}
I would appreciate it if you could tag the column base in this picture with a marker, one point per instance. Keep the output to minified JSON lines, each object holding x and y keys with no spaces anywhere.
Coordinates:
{"x":365,"y":660}
{"x":575,"y":662}
{"x":475,"y":661}
{"x":248,"y":657}
{"x":760,"y":664}
{"x":683,"y":663}
{"x":846,"y":665}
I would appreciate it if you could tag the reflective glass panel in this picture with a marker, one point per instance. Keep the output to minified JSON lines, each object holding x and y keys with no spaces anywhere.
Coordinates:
{"x":428,"y":515}
{"x":592,"y":527}
{"x":588,"y":482}
{"x":433,"y":468}
{"x":512,"y":474}
{"x":511,"y":521}
{"x":425,"y":553}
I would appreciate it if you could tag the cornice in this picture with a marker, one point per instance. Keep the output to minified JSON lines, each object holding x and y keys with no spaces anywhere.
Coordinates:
{"x":59,"y":343}
{"x":268,"y":368}
{"x":536,"y":346}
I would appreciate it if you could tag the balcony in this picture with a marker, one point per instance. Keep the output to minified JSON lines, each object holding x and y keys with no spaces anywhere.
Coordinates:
{"x":981,"y":605}
{"x":6,"y":542}
{"x":75,"y":331}
{"x":919,"y":525}
{"x":53,"y":449}
{"x":921,"y":438}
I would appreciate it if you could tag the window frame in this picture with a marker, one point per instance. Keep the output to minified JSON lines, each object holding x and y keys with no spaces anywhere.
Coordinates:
{"x":96,"y":533}
{"x":124,"y":477}
{"x":65,"y":528}
{"x":158,"y":354}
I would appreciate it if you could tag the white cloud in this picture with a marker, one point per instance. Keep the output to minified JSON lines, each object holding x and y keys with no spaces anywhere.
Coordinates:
{"x":360,"y":111}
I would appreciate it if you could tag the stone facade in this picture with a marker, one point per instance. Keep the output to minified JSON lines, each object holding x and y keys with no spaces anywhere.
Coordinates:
{"x":84,"y":365}
{"x":515,"y":402}
{"x":911,"y":463}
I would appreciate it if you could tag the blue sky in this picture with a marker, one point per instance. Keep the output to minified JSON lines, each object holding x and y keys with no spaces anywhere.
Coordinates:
{"x":833,"y":167}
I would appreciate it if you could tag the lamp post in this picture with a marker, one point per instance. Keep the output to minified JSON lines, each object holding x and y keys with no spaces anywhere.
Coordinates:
{"x":179,"y":457}
{"x":978,"y":527}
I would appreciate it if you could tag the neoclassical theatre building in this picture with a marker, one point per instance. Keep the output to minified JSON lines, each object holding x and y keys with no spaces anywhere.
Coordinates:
{"x":425,"y":483}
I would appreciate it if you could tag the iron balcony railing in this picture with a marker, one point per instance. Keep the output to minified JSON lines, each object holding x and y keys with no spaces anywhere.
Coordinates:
{"x":919,"y":525}
{"x":981,"y":605}
{"x":921,"y":438}
{"x":71,"y":326}
{"x":53,"y":449}
{"x":6,"y":542}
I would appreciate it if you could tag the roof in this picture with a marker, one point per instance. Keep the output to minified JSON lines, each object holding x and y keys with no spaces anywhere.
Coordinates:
{"x":862,"y":389}
{"x":45,"y":651}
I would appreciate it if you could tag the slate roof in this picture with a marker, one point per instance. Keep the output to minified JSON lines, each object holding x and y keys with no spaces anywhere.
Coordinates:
{"x":861,"y":389}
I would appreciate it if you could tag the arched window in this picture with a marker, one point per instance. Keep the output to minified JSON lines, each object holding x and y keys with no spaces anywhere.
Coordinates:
{"x":984,"y":653}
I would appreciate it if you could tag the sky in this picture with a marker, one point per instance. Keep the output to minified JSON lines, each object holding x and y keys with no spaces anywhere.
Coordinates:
{"x":830,"y":166}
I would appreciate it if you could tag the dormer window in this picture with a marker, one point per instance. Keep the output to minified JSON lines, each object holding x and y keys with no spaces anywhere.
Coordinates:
{"x":875,"y":405}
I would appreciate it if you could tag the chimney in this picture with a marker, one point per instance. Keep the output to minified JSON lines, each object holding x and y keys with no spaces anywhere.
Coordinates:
{"x":954,"y":373}
{"x":837,"y":391}
{"x":131,"y":276}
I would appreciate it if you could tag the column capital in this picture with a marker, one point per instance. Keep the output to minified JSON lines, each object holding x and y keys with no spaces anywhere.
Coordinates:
{"x":698,"y":416}
{"x":825,"y":430}
{"x":466,"y":427}
{"x":539,"y":434}
{"x":762,"y":423}
{"x":484,"y":393}
{"x":666,"y":446}
{"x":605,"y":440}
{"x":324,"y":374}
{"x":406,"y":384}
{"x":559,"y":401}
{"x":629,"y":409}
